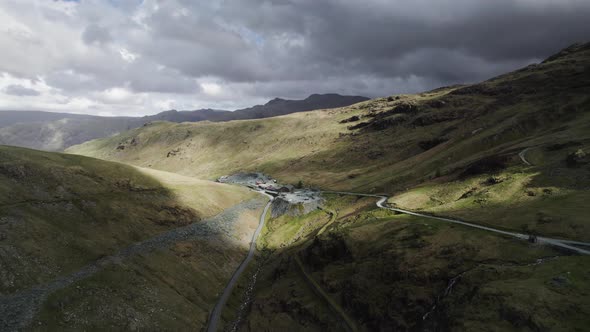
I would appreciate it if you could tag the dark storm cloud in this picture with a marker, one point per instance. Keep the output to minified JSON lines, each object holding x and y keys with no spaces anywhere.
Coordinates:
{"x":19,"y":90}
{"x":195,"y":42}
{"x":443,"y":40}
{"x":239,"y":52}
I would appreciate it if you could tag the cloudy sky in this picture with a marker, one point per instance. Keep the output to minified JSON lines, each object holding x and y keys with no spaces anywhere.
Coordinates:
{"x":133,"y":57}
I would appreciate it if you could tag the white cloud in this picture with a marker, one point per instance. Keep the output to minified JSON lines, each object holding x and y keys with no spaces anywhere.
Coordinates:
{"x":116,"y":95}
{"x":128,"y":56}
{"x":212,"y":89}
{"x":165,"y":104}
{"x":180,"y":12}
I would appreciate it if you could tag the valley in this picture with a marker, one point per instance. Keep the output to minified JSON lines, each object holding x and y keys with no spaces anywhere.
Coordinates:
{"x":462,"y":208}
{"x":77,"y":234}
{"x":290,"y":250}
{"x":406,"y":272}
{"x":453,"y":150}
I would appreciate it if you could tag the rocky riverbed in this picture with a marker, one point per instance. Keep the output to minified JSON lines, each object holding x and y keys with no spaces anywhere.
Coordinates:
{"x":288,"y":199}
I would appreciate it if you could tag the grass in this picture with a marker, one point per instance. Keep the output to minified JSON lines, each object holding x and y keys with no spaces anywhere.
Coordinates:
{"x":208,"y":197}
{"x":60,"y":212}
{"x":386,"y":270}
{"x":550,"y":296}
{"x":547,"y":198}
{"x":285,"y":231}
{"x":171,"y":289}
{"x":433,"y":151}
{"x":318,"y":289}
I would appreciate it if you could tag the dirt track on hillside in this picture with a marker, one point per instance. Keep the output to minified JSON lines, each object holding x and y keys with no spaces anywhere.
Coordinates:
{"x":17,"y":310}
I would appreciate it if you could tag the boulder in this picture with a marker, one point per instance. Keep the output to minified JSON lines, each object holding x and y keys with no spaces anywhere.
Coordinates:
{"x":351,"y":119}
{"x":577,"y":158}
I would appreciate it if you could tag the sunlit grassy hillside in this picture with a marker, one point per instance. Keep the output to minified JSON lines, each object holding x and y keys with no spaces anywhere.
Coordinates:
{"x":443,"y":140}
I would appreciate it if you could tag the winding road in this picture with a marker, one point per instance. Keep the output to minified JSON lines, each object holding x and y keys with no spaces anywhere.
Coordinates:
{"x":565,"y":244}
{"x":216,"y":313}
{"x":522,"y":156}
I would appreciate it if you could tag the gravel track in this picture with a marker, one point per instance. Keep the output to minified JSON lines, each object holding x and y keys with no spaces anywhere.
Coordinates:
{"x":17,"y":310}
{"x":215,"y":315}
{"x":561,"y":243}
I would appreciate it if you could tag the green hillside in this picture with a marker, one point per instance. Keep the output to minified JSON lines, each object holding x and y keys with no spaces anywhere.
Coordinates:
{"x":85,"y":243}
{"x":509,"y":153}
{"x":386,"y":271}
{"x":453,"y":151}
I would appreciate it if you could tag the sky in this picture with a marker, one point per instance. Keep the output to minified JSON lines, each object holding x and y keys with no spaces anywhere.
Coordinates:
{"x":133,"y":57}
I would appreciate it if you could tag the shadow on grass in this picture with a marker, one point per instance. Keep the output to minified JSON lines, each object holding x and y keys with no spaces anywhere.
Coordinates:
{"x":87,"y":243}
{"x":388,"y":271}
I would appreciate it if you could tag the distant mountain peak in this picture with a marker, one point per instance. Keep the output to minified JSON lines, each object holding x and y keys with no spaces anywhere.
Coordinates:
{"x":275,"y":101}
{"x":22,"y":126}
{"x":280,"y":106}
{"x":317,"y":95}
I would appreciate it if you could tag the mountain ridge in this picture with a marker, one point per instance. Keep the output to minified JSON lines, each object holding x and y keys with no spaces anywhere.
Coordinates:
{"x":57,"y":131}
